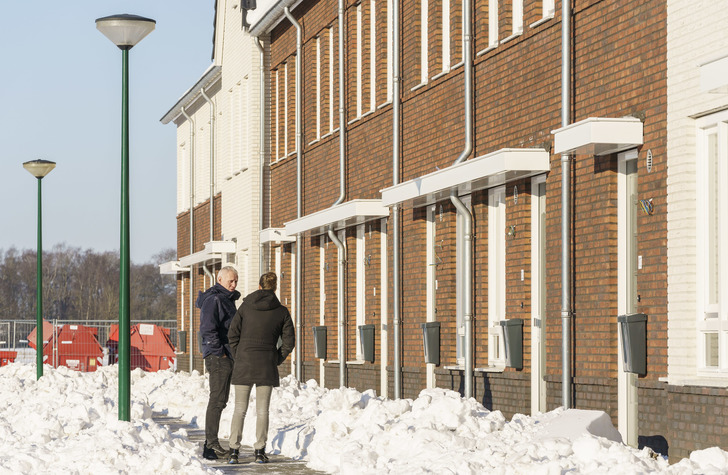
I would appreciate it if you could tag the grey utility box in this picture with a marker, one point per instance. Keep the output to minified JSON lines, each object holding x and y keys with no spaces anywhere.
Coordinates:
{"x":182,"y":341}
{"x":366,"y":336}
{"x":513,"y":341}
{"x":319,"y":342}
{"x":431,"y":342}
{"x":633,"y":331}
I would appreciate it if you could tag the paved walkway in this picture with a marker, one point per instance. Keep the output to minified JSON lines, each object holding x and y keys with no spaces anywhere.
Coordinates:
{"x":278,"y":463}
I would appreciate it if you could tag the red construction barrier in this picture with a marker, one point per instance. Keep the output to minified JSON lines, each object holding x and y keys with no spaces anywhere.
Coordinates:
{"x":7,"y":357}
{"x":47,"y":334}
{"x":151,"y":348}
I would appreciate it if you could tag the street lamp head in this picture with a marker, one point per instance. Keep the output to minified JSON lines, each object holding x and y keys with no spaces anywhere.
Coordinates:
{"x":39,"y":168}
{"x":125,"y":30}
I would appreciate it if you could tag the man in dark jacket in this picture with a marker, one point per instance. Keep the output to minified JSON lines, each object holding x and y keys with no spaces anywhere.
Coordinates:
{"x":254,"y":333}
{"x":217,"y":307}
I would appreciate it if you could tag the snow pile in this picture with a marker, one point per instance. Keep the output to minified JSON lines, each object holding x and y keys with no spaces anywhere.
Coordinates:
{"x":68,"y":423}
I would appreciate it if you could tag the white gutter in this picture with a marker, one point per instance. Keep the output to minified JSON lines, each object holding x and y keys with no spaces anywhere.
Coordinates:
{"x":299,"y":159}
{"x":566,"y":313}
{"x":261,"y":147}
{"x":192,"y":227}
{"x":212,"y":163}
{"x":396,"y":272}
{"x":466,"y":258}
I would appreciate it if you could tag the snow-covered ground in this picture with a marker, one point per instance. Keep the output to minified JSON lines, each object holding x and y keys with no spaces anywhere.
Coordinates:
{"x":68,"y":423}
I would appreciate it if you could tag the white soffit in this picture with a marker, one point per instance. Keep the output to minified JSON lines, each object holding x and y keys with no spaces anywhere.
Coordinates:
{"x":172,"y":267}
{"x":487,"y":171}
{"x":275,"y":235}
{"x":340,"y":216}
{"x":598,"y":136}
{"x":213,"y":251}
{"x":714,"y":75}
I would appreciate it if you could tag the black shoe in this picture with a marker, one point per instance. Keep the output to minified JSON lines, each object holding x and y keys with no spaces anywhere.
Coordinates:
{"x":214,"y":451}
{"x":260,"y":456}
{"x":208,"y":453}
{"x":234,"y":453}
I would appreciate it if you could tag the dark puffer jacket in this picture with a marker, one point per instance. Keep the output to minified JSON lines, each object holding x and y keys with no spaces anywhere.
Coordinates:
{"x":217,"y":308}
{"x":253,"y":335}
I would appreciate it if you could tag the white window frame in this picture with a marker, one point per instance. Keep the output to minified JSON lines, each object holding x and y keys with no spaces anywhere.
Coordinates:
{"x":492,"y":23}
{"x":373,"y":56}
{"x":278,"y":114}
{"x":331,"y":79}
{"x":516,"y":20}
{"x":496,"y":274}
{"x":361,"y":297}
{"x":359,"y":58}
{"x":424,"y":67}
{"x":446,"y":23}
{"x":318,"y":87}
{"x":431,"y":280}
{"x":390,"y":47}
{"x":285,"y":110}
{"x":712,"y":271}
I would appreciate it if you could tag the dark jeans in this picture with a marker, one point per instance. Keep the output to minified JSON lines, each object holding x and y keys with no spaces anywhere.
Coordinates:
{"x":220,"y":369}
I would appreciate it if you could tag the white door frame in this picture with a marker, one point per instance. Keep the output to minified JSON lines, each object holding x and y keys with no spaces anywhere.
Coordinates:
{"x":538,"y":297}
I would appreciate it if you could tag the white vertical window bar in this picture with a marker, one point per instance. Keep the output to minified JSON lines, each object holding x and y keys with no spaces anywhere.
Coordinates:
{"x":548,"y":8}
{"x":492,"y":23}
{"x":231,"y":133}
{"x":359,"y":45}
{"x":390,"y":42}
{"x":446,"y":35}
{"x":373,"y":56}
{"x":318,"y":87}
{"x":360,"y":286}
{"x":183,"y":197}
{"x":496,"y":271}
{"x":424,"y":71}
{"x":278,"y":130}
{"x":517,"y":17}
{"x":285,"y":109}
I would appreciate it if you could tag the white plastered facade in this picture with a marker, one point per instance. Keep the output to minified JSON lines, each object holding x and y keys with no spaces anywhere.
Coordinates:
{"x":235,"y":93}
{"x":696,"y":33}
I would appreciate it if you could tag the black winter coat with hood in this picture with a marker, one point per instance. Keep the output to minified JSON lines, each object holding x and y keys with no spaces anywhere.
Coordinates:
{"x":217,"y":308}
{"x":253,"y":335}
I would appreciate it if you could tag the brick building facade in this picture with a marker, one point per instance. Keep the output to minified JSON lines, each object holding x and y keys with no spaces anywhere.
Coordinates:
{"x":633,"y":198}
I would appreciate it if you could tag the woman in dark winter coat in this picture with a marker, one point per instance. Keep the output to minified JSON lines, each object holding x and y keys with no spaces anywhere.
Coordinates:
{"x":253,"y":335}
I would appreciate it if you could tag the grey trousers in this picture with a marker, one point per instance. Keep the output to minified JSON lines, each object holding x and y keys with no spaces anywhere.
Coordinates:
{"x":262,"y":403}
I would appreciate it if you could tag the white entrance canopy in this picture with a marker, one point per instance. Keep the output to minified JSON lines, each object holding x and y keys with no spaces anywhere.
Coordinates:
{"x":487,"y":171}
{"x":599,"y":136}
{"x":213,"y":251}
{"x":275,"y":235}
{"x":340,"y":216}
{"x":172,"y":268}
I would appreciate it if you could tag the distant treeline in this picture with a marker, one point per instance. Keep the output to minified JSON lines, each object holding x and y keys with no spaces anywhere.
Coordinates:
{"x":83,"y":285}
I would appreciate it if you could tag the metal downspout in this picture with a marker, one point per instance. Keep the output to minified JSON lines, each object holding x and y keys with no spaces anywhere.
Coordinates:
{"x":396,"y":273}
{"x":192,"y":231}
{"x":462,"y":209}
{"x":342,"y":193}
{"x":212,"y":163}
{"x":565,"y":208}
{"x":261,"y":171}
{"x":299,"y":189}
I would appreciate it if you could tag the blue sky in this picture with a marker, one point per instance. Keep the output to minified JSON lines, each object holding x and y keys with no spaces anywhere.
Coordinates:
{"x":61,"y":91}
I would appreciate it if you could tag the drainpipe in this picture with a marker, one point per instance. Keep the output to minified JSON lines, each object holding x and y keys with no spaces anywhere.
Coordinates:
{"x":299,"y":159}
{"x":467,"y":247}
{"x":212,"y":163}
{"x":397,"y":363}
{"x":342,"y":193}
{"x":565,"y":210}
{"x":192,"y":231}
{"x":261,"y":171}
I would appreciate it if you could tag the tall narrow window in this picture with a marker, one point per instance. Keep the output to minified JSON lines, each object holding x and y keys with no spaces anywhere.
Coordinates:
{"x":712,"y":212}
{"x":496,"y":272}
{"x":331,"y":79}
{"x":285,"y":109}
{"x":278,"y":115}
{"x":390,"y":46}
{"x":360,"y":286}
{"x":359,"y":46}
{"x":446,"y":18}
{"x":424,"y":68}
{"x":461,"y":276}
{"x":318,"y":87}
{"x":372,"y":55}
{"x":492,"y":23}
{"x":517,"y":18}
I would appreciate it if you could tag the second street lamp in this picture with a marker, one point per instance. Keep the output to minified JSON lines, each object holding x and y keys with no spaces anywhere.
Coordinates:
{"x":39,"y":169}
{"x":124,"y":31}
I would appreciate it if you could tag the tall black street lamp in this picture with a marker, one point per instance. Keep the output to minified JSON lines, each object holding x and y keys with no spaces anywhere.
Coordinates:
{"x":124,"y":31}
{"x":39,"y":169}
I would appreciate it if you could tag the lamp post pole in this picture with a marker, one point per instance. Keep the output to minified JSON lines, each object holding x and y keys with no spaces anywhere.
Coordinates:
{"x":39,"y":169}
{"x":124,"y":31}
